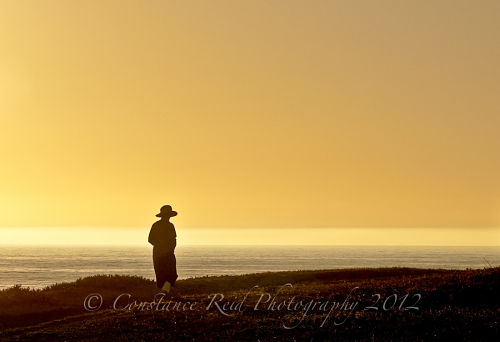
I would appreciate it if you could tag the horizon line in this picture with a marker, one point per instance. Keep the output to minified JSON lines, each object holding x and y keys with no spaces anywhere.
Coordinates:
{"x":254,"y":227}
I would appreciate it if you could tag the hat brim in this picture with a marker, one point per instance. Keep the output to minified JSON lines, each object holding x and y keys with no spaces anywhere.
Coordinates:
{"x":170,"y":214}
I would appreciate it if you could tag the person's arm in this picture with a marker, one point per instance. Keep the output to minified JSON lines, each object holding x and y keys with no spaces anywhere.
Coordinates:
{"x":152,"y":237}
{"x":172,"y":238}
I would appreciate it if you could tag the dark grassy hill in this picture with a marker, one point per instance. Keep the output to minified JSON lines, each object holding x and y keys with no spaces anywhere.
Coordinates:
{"x":398,"y":304}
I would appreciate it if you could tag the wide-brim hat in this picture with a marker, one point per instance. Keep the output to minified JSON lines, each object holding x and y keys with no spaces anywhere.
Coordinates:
{"x":166,"y":211}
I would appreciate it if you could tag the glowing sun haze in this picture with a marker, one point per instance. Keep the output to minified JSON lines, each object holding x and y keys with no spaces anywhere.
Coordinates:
{"x":250,"y":114}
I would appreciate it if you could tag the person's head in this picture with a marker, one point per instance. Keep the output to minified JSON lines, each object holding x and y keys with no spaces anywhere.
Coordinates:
{"x":166,"y":212}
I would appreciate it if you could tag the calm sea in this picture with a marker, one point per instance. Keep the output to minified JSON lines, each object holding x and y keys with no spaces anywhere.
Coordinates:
{"x":41,"y":266}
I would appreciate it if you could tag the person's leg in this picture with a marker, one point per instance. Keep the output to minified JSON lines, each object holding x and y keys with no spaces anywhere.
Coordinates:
{"x":156,"y":266}
{"x":174,"y":270}
{"x":160,"y":262}
{"x":170,"y":273}
{"x":166,"y":287}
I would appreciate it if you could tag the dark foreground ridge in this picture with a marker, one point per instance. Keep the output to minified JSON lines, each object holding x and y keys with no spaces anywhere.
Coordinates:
{"x":398,"y":304}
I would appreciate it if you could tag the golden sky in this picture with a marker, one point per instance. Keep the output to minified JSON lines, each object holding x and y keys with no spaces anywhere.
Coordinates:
{"x":250,"y":114}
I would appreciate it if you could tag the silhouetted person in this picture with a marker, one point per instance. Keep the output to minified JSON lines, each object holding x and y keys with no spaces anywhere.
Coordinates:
{"x":164,"y":239}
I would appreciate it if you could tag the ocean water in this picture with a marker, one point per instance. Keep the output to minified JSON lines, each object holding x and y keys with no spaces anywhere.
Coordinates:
{"x":40,"y":266}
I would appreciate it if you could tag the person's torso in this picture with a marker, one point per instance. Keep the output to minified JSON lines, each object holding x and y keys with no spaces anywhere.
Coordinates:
{"x":165,"y":235}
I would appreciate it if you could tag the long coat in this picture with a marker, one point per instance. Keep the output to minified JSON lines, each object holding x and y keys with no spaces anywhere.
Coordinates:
{"x":164,"y":240}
